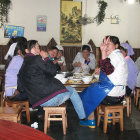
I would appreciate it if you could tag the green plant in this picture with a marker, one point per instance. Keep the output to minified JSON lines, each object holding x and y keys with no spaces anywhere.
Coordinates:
{"x":4,"y":7}
{"x":101,"y":14}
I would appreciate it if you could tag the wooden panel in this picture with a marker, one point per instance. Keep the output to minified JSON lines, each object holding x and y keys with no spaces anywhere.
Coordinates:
{"x":137,"y":53}
{"x":69,"y":52}
{"x":3,"y":51}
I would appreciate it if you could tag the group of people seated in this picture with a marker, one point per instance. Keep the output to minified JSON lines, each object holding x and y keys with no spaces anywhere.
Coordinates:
{"x":30,"y":74}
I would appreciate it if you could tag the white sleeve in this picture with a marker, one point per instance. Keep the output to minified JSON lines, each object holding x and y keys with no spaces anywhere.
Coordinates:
{"x":92,"y":63}
{"x":77,"y":58}
{"x":138,"y":63}
{"x":63,"y":59}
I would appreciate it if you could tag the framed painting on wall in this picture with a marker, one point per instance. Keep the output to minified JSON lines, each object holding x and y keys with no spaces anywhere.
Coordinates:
{"x":70,"y":28}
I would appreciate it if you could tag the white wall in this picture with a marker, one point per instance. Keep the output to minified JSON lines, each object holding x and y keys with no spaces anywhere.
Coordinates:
{"x":24,"y":12}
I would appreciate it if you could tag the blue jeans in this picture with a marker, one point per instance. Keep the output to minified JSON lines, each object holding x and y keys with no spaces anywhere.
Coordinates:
{"x":61,"y":98}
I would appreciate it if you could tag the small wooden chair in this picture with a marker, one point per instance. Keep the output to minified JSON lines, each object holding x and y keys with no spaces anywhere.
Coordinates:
{"x":115,"y":110}
{"x":10,"y":113}
{"x":24,"y":104}
{"x":137,"y":96}
{"x":55,"y":111}
{"x":128,"y":105}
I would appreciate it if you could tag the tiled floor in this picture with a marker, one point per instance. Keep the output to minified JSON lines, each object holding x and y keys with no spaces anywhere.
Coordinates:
{"x":76,"y":132}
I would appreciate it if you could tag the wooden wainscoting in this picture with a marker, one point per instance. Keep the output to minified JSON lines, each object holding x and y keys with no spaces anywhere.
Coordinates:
{"x":69,"y":53}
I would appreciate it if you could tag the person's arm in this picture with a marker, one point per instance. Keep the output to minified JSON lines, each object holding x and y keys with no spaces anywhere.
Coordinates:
{"x":106,"y":66}
{"x":76,"y":61}
{"x":92,"y":62}
{"x":47,"y":65}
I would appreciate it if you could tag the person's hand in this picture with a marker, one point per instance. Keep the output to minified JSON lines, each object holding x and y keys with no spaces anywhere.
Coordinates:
{"x":55,"y":61}
{"x":43,"y":54}
{"x":97,"y":71}
{"x":103,"y":45}
{"x":78,"y":64}
{"x":60,"y":64}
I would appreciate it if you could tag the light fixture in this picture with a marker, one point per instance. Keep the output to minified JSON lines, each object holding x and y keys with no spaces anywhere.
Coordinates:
{"x":86,"y":20}
{"x":99,"y":18}
{"x":131,"y":1}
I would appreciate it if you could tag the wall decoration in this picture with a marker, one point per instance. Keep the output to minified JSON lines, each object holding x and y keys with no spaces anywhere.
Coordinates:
{"x":41,"y":23}
{"x":4,"y":9}
{"x":70,"y":28}
{"x":115,"y":19}
{"x":13,"y":31}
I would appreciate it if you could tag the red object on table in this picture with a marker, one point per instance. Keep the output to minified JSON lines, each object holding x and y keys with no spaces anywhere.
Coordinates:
{"x":15,"y":131}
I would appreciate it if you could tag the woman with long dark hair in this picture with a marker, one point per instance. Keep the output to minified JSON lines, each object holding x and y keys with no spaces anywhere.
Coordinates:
{"x":13,"y":66}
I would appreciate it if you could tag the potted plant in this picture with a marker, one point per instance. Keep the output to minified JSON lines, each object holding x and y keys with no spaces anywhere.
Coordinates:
{"x":4,"y":7}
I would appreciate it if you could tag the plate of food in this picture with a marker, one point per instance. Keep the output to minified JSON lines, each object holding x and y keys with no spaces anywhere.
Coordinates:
{"x":74,"y":79}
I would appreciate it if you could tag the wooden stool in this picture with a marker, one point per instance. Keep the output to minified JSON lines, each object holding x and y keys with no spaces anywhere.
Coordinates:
{"x":10,"y":113}
{"x":14,"y":104}
{"x":115,"y":110}
{"x":137,"y":96}
{"x":55,"y":111}
{"x":128,"y":105}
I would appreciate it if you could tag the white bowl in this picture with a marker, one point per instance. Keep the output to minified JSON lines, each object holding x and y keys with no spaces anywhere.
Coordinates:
{"x":96,"y":76}
{"x":2,"y":67}
{"x":87,"y":79}
{"x":59,"y":76}
{"x":77,"y":75}
{"x":64,"y":80}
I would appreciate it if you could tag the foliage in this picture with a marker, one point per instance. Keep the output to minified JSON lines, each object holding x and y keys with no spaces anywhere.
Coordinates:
{"x":4,"y":7}
{"x":101,"y":14}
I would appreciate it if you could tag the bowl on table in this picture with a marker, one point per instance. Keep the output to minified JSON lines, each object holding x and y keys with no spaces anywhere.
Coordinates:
{"x":77,"y":75}
{"x":87,"y":79}
{"x":64,"y":80}
{"x":96,"y":76}
{"x":59,"y":76}
{"x":65,"y":73}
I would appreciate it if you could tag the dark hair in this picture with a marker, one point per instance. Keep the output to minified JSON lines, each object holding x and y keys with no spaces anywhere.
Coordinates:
{"x":11,"y":41}
{"x":21,"y":45}
{"x":86,"y":47}
{"x":114,"y":40}
{"x":31,"y":44}
{"x":43,"y":48}
{"x":52,"y":48}
{"x":122,"y":48}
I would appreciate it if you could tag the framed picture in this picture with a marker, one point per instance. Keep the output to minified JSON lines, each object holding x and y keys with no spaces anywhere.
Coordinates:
{"x":41,"y":23}
{"x":13,"y":31}
{"x":70,"y":28}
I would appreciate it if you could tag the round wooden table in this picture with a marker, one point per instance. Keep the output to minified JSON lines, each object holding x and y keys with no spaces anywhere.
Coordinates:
{"x":15,"y":131}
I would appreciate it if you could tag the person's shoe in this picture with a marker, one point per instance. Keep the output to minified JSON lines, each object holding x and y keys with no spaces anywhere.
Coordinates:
{"x":88,"y":123}
{"x":109,"y":120}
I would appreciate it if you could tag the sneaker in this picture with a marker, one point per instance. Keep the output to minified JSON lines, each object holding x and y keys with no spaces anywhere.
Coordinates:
{"x":88,"y":123}
{"x":109,"y":120}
